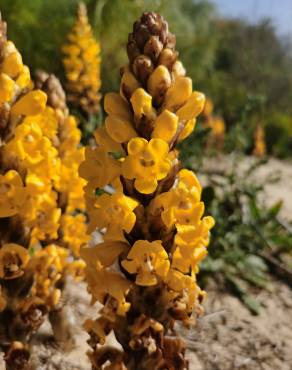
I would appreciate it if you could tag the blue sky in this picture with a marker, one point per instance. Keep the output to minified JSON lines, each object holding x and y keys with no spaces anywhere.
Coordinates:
{"x":280,"y":11}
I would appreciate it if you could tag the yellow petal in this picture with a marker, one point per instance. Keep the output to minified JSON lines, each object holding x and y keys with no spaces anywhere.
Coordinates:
{"x":141,"y":103}
{"x":129,"y":84}
{"x":31,"y":104}
{"x":137,"y":146}
{"x":115,"y":105}
{"x":178,"y":93}
{"x":165,"y":126}
{"x":193,"y":107}
{"x":12,"y":64}
{"x":146,"y":186}
{"x":119,"y":130}
{"x":6,"y":88}
{"x":187,"y":130}
{"x":158,"y":82}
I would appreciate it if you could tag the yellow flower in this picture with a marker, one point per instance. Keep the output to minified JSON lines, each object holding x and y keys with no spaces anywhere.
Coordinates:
{"x":113,"y":284}
{"x":99,"y":168}
{"x":147,"y":163}
{"x":7,"y":87}
{"x":187,"y":130}
{"x":74,"y":231}
{"x":31,"y":104}
{"x":82,"y":64}
{"x":23,"y":80}
{"x":115,"y":214}
{"x":12,"y":193}
{"x":47,"y":265}
{"x":47,"y":121}
{"x":148,"y":260}
{"x":191,"y":243}
{"x":28,"y":143}
{"x":180,"y":205}
{"x":43,"y":216}
{"x":12,"y":64}
{"x":141,"y":103}
{"x":13,"y":261}
{"x":166,"y":126}
{"x":182,"y":283}
{"x":119,"y":130}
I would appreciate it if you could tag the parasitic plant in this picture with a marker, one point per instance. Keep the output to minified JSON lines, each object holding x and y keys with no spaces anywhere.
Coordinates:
{"x":82,"y":65}
{"x":148,"y":209}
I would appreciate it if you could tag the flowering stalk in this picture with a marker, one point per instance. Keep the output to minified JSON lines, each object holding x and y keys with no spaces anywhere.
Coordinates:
{"x":82,"y":65}
{"x":216,"y":125}
{"x":259,"y":142}
{"x":33,"y":176}
{"x":147,"y":207}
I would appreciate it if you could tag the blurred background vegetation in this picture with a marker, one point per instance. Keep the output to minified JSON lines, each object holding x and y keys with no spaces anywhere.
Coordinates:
{"x":245,"y":68}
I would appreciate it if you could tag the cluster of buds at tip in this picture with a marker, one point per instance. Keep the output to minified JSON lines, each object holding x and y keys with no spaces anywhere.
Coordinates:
{"x":82,"y":65}
{"x":259,"y":142}
{"x":40,"y":193}
{"x":216,"y":125}
{"x":148,"y":209}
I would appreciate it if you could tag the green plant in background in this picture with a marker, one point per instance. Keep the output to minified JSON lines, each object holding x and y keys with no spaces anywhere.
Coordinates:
{"x":249,"y":239}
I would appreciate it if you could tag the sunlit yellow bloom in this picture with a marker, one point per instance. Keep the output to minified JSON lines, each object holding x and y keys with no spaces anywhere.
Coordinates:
{"x":74,"y":231}
{"x":115,"y":105}
{"x":166,"y":126}
{"x":99,"y":168}
{"x":47,"y":265}
{"x":115,"y":214}
{"x":43,"y":216}
{"x":28,"y":143}
{"x":12,"y":193}
{"x":193,"y":107}
{"x":103,"y":254}
{"x":184,"y":283}
{"x":141,"y":103}
{"x":191,"y":242}
{"x":119,"y":130}
{"x":31,"y":104}
{"x":7,"y":87}
{"x":180,"y":205}
{"x":12,"y":64}
{"x":47,"y":121}
{"x":178,"y":93}
{"x":97,"y":259}
{"x":147,"y":163}
{"x":13,"y":261}
{"x":187,"y":130}
{"x":148,"y":260}
{"x":23,"y":80}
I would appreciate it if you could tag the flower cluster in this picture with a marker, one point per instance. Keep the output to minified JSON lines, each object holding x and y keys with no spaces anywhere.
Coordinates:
{"x":216,"y":125}
{"x":41,"y":200}
{"x":82,"y":64}
{"x":148,"y":209}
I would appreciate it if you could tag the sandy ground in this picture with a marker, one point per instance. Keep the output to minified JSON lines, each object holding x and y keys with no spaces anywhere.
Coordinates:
{"x":228,"y":337}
